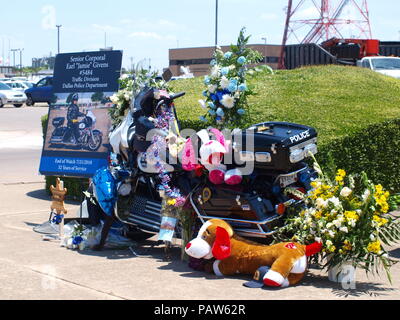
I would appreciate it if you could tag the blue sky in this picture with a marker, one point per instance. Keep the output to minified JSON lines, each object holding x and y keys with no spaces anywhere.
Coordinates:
{"x":147,"y":29}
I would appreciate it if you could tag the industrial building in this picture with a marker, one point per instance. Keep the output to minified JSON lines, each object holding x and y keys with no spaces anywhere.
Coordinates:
{"x":198,"y":59}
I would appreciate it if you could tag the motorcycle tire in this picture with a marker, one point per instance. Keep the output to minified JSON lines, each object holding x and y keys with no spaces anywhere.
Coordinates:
{"x":18,"y":105}
{"x":96,"y":137}
{"x":1,"y":105}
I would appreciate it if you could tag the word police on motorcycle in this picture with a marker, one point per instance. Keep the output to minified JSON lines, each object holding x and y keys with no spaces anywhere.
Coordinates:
{"x":300,"y":136}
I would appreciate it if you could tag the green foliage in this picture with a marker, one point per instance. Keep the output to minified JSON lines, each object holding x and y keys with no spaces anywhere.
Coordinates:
{"x":97,"y":96}
{"x":374,"y":149}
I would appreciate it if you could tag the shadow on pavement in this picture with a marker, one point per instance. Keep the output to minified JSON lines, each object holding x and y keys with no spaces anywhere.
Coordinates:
{"x":395,"y":253}
{"x":361,"y":288}
{"x":41,"y":194}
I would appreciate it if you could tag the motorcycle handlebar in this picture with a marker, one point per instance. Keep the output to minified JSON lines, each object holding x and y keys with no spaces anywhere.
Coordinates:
{"x":177,"y":95}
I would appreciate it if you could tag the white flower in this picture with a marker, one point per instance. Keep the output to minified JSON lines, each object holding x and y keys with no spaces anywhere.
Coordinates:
{"x":344,"y":229}
{"x":366,"y":195}
{"x":372,"y":237}
{"x":215,"y":71}
{"x":203,"y":104}
{"x":352,"y":223}
{"x":337,"y":223}
{"x":237,"y":95}
{"x":124,"y":76}
{"x":331,"y":233}
{"x":321,"y":203}
{"x":328,"y":243}
{"x":114,"y":98}
{"x":345,"y":192}
{"x":318,"y":239}
{"x":228,"y":101}
{"x":335,"y":201}
{"x":329,"y":225}
{"x":224,"y":83}
{"x":212,"y":88}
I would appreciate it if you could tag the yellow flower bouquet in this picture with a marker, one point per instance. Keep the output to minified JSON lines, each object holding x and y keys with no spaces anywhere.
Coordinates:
{"x":350,"y":215}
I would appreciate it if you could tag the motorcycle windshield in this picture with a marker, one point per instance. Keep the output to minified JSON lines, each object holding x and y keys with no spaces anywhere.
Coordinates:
{"x":143,"y":103}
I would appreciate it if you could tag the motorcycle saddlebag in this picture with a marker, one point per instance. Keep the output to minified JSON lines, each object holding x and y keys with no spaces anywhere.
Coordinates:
{"x":58,"y":122}
{"x":277,"y":145}
{"x":226,"y":201}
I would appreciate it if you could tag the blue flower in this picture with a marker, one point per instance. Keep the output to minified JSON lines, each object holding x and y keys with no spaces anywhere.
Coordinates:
{"x":203,"y":119}
{"x":211,"y":112}
{"x":243,"y":87}
{"x":227,"y":55}
{"x":77,"y":240}
{"x":213,"y":62}
{"x":214,"y":97}
{"x":224,"y":71}
{"x":218,"y":119}
{"x":241,"y":112}
{"x":220,"y":112}
{"x":241,"y":60}
{"x":221,"y":93}
{"x":211,"y":105}
{"x":205,"y":93}
{"x":232,"y":87}
{"x":207,"y":80}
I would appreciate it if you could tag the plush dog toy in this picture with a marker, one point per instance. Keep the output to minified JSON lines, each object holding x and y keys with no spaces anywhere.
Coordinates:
{"x":234,"y":255}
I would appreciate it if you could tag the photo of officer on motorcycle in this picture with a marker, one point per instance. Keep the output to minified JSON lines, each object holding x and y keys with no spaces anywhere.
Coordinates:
{"x":78,"y":123}
{"x":73,"y":115}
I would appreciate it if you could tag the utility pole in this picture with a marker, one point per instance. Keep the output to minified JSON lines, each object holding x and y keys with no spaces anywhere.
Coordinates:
{"x":20,"y":60}
{"x":216,"y":23}
{"x":265,"y":49}
{"x":58,"y":37}
{"x":14,"y":51}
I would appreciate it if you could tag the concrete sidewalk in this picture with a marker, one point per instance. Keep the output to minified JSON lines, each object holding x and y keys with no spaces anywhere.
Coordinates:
{"x":31,"y":268}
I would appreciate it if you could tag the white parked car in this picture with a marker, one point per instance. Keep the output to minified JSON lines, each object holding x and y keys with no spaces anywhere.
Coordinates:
{"x":16,"y":85}
{"x":9,"y":96}
{"x":389,"y":66}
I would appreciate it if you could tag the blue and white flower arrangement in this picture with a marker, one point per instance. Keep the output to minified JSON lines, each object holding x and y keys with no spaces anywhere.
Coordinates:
{"x":225,"y":98}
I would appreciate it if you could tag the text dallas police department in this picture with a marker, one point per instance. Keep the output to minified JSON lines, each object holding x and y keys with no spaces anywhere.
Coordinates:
{"x":202,"y":309}
{"x":85,"y":66}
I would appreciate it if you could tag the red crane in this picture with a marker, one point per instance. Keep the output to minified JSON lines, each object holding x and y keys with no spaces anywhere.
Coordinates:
{"x":310,"y":21}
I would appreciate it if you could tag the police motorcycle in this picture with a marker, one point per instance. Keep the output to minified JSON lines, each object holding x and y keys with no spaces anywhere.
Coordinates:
{"x":90,"y":138}
{"x":255,"y":208}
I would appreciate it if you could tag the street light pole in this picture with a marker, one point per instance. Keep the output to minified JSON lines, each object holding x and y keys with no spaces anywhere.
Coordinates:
{"x":20,"y":60}
{"x":265,"y":49}
{"x":14,"y":51}
{"x":216,"y":23}
{"x":58,"y":36}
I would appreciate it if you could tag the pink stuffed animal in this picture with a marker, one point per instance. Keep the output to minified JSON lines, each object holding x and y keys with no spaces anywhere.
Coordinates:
{"x":211,"y":155}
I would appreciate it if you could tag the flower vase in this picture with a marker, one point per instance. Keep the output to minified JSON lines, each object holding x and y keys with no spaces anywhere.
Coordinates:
{"x":342,"y":273}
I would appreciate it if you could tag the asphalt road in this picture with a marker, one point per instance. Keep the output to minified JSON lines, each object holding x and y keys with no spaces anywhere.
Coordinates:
{"x":21,"y":143}
{"x":31,"y":268}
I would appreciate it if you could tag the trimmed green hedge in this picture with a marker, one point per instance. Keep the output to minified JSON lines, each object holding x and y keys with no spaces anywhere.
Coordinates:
{"x":374,"y":149}
{"x":73,"y":185}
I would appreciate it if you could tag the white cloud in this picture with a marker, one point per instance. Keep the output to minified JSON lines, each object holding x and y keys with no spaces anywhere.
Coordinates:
{"x":144,"y":34}
{"x":107,"y":28}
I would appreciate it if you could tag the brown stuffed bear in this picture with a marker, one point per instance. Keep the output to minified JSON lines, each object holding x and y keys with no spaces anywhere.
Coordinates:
{"x":233,"y":254}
